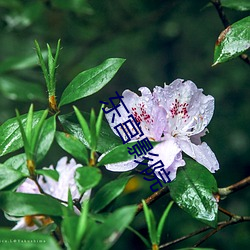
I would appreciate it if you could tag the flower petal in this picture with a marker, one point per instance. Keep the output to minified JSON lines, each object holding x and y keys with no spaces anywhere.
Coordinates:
{"x":151,"y":117}
{"x":123,"y":166}
{"x":201,"y":153}
{"x":59,"y":189}
{"x":189,"y":110}
{"x":29,"y":187}
{"x":170,"y":154}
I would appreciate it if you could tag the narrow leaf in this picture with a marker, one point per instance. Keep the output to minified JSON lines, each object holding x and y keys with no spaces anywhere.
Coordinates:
{"x":149,"y":220}
{"x":99,"y":122}
{"x":84,"y":125}
{"x":42,"y":63}
{"x":73,"y":146}
{"x":109,"y":232}
{"x":82,"y":223}
{"x":108,"y":193}
{"x":92,"y":126}
{"x":46,"y":137}
{"x":162,"y":221}
{"x":107,"y":138}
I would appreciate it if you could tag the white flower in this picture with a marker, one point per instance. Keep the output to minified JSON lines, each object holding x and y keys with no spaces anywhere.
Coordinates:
{"x":177,"y":116}
{"x":58,"y":189}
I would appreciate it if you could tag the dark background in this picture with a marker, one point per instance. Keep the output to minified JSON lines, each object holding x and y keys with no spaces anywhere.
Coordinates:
{"x":161,"y":41}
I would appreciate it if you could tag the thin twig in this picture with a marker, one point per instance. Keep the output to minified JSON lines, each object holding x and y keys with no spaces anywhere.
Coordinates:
{"x":226,"y":23}
{"x":151,"y":199}
{"x":224,"y":211}
{"x":222,"y":15}
{"x":235,"y":220}
{"x":185,"y":237}
{"x":223,"y":192}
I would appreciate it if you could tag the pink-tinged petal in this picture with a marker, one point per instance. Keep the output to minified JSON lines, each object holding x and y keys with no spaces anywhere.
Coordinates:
{"x":196,"y":139}
{"x":201,"y":153}
{"x":151,"y":117}
{"x":170,"y":154}
{"x":59,"y":189}
{"x":29,"y":187}
{"x":189,"y":110}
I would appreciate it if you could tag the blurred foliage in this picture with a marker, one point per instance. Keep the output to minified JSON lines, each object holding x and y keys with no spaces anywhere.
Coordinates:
{"x":161,"y":41}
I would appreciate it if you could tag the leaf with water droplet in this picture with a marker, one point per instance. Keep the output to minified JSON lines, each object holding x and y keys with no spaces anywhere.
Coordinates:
{"x":233,"y":41}
{"x":193,"y":190}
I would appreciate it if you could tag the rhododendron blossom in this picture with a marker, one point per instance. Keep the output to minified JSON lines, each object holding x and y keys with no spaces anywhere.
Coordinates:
{"x":58,"y":189}
{"x":175,"y":115}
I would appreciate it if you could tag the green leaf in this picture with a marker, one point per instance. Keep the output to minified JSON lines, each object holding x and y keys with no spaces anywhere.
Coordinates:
{"x":105,"y":235}
{"x":43,"y":65}
{"x":193,"y":191}
{"x":87,"y":177}
{"x":10,"y":136}
{"x":241,"y":5}
{"x":16,"y":240}
{"x":20,"y":204}
{"x":69,"y":230}
{"x":151,"y":223}
{"x":18,"y":162}
{"x":46,"y":137}
{"x":162,"y":221}
{"x":8,"y":176}
{"x":108,"y":193}
{"x":233,"y":41}
{"x":82,"y":223}
{"x":84,"y":125}
{"x":74,"y":228}
{"x":99,"y":122}
{"x":37,"y":132}
{"x":92,"y":126}
{"x":19,"y":90}
{"x":90,"y":81}
{"x":107,"y":138}
{"x":73,"y":146}
{"x":118,"y":154}
{"x":53,"y":174}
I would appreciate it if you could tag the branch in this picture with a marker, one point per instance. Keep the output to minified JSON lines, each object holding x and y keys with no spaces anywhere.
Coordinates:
{"x":223,"y":192}
{"x":151,"y":199}
{"x":185,"y":237}
{"x":235,"y":220}
{"x":226,"y":23}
